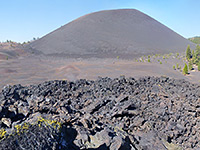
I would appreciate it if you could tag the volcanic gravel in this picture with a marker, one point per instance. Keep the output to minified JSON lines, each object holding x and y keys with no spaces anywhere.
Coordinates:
{"x":121,"y":113}
{"x":123,"y":33}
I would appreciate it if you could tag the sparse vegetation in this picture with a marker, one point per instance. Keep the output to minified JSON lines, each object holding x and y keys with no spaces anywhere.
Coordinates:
{"x":156,"y":55}
{"x":188,"y":53}
{"x":142,"y":58}
{"x":185,"y":70}
{"x":180,"y":69}
{"x":195,"y":39}
{"x":193,"y":58}
{"x":20,"y":129}
{"x":148,"y":110}
{"x":2,"y":133}
{"x":192,"y":53}
{"x":177,"y":66}
{"x":190,"y":66}
{"x":196,"y":58}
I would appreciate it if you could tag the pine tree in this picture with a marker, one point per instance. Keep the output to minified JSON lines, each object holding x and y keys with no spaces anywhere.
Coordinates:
{"x":197,"y":52}
{"x":199,"y":66}
{"x":196,"y":58}
{"x":190,"y":65}
{"x":192,"y":53}
{"x":177,"y":65}
{"x":188,"y":53}
{"x":185,"y":69}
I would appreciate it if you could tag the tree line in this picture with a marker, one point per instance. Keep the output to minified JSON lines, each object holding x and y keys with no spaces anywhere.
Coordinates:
{"x":193,"y":58}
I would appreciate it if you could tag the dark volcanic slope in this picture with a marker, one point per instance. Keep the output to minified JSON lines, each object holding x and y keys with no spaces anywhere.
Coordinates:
{"x":125,"y":33}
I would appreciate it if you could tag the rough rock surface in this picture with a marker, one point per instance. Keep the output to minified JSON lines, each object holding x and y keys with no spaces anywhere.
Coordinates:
{"x":121,"y":113}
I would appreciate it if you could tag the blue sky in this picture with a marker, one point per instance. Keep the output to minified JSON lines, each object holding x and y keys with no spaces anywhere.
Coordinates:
{"x":21,"y":20}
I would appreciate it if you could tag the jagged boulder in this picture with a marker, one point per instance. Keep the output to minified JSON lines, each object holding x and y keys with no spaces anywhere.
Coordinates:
{"x":120,"y":113}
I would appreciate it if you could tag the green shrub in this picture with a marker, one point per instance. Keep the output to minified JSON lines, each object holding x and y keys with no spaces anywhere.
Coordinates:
{"x":177,"y":65}
{"x":188,"y":53}
{"x":197,"y":52}
{"x":2,"y":133}
{"x":185,"y":70}
{"x":190,"y":65}
{"x":42,"y":134}
{"x":195,"y":39}
{"x":192,"y":53}
{"x":174,"y":67}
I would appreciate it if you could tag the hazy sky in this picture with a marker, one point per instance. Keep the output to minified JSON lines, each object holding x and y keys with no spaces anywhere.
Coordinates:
{"x":21,"y":20}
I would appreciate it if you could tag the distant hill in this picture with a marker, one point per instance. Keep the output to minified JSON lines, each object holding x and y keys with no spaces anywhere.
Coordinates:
{"x":11,"y":49}
{"x":126,"y":33}
{"x":195,"y":39}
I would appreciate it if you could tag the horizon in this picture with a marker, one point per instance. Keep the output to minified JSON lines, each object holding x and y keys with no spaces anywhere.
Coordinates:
{"x":22,"y":21}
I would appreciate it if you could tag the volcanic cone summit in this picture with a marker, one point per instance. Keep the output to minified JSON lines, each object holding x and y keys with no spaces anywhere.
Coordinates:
{"x":127,"y":33}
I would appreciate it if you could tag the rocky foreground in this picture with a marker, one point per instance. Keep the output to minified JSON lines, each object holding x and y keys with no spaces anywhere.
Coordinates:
{"x":122,"y":113}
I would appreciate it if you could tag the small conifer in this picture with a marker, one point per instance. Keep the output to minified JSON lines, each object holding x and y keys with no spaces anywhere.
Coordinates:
{"x":190,"y":65}
{"x":185,"y":69}
{"x":199,"y":66}
{"x":188,"y":53}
